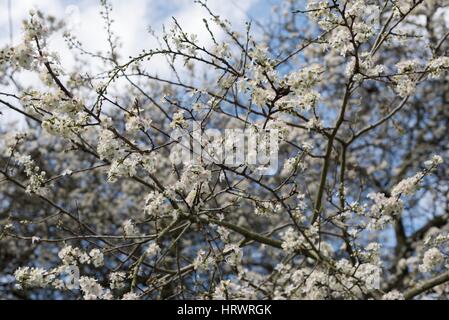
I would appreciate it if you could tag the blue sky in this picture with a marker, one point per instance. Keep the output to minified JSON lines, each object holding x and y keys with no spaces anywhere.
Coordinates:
{"x":132,"y":20}
{"x":133,"y":17}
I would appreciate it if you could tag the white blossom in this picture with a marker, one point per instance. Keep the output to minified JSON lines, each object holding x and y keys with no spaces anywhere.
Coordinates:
{"x":96,"y":257}
{"x":432,"y":259}
{"x":393,"y":295}
{"x":102,"y":199}
{"x":91,"y":289}
{"x":117,"y":280}
{"x":130,"y":296}
{"x":153,"y":250}
{"x":129,"y":229}
{"x":32,"y":277}
{"x":179,"y":120}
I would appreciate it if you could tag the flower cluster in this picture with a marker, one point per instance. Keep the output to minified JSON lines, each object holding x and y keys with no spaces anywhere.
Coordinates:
{"x":384,"y":208}
{"x":432,"y":259}
{"x":92,"y":290}
{"x":33,"y":277}
{"x":73,"y":256}
{"x":354,"y":93}
{"x":35,"y":174}
{"x":407,"y":79}
{"x":129,"y":229}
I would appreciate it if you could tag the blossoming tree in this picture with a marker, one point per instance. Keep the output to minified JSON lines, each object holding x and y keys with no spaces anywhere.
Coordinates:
{"x":95,"y":205}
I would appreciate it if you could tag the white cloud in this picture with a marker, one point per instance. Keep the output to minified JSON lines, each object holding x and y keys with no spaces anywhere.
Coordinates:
{"x":131,"y":21}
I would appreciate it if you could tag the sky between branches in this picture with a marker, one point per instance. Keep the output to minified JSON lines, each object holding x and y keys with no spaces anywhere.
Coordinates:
{"x":132,"y":21}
